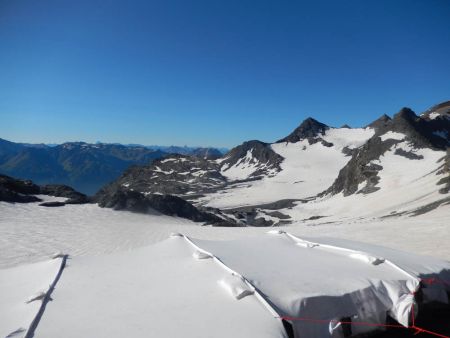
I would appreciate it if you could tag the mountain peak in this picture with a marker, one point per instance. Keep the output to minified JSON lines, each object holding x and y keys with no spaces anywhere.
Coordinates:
{"x":406,"y":114}
{"x":382,"y":121}
{"x":309,"y":128}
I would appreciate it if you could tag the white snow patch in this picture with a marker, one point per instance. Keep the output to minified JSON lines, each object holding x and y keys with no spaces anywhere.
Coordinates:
{"x":348,"y":137}
{"x":434,"y":115}
{"x":159,"y":170}
{"x":23,"y":288}
{"x":392,"y":135}
{"x":169,"y":160}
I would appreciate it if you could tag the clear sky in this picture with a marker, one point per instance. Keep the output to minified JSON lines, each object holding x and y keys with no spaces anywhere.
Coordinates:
{"x":214,"y":72}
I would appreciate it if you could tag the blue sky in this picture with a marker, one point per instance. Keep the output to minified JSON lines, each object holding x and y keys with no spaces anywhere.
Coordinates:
{"x":214,"y":72}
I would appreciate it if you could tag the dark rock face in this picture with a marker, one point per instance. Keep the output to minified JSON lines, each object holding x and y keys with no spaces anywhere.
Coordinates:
{"x":407,"y":154}
{"x":7,"y":195}
{"x":442,"y":109}
{"x":164,"y":187}
{"x":25,"y":187}
{"x":178,"y":179}
{"x":326,"y":144}
{"x":20,"y":191}
{"x":189,"y":176}
{"x":359,"y":169}
{"x":417,"y":130}
{"x":309,"y":129}
{"x":151,"y":203}
{"x":438,"y":118}
{"x":420,"y":131}
{"x":348,"y":151}
{"x":23,"y":191}
{"x":262,"y":157}
{"x":74,"y":197}
{"x":381,"y":122}
{"x":174,"y":175}
{"x":52,"y":204}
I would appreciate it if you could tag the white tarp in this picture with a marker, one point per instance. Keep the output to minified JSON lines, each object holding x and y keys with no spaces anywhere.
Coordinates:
{"x":163,"y":290}
{"x":318,"y":285}
{"x":185,"y":287}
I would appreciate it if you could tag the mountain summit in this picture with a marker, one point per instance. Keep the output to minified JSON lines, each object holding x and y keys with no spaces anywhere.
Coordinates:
{"x":308,"y":129}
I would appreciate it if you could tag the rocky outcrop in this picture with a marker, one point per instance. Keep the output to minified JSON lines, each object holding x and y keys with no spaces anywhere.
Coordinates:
{"x":309,"y":129}
{"x":134,"y":201}
{"x":360,"y":169}
{"x":253,"y":153}
{"x":52,"y":204}
{"x":59,"y":190}
{"x":177,"y":175}
{"x":439,"y":110}
{"x":381,"y":122}
{"x":24,"y":191}
{"x":20,"y":191}
{"x":419,"y":132}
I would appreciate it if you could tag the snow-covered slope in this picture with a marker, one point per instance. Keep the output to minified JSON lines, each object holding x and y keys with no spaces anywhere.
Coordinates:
{"x":22,"y":290}
{"x":31,"y":233}
{"x":306,"y":170}
{"x":404,"y":185}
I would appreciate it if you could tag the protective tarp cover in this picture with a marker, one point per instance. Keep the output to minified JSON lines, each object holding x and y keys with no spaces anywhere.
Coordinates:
{"x":317,"y":283}
{"x":184,"y":287}
{"x":157,"y":291}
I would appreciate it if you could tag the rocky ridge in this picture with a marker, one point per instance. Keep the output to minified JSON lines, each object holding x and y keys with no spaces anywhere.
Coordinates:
{"x":418,"y":133}
{"x":24,"y":191}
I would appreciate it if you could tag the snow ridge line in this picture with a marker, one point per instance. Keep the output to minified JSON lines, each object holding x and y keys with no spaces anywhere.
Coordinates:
{"x":257,"y":293}
{"x":338,"y":248}
{"x":34,"y":324}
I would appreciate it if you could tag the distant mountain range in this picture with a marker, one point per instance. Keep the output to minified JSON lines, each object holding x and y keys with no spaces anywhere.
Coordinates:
{"x":397,"y":166}
{"x":84,"y":166}
{"x":393,"y":166}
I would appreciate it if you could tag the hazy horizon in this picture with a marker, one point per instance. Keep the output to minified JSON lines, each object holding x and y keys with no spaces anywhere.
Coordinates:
{"x":220,"y":147}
